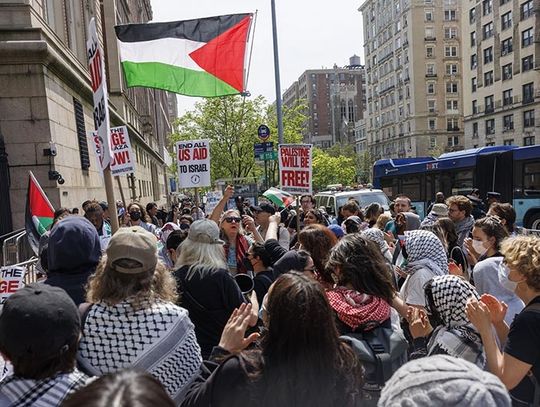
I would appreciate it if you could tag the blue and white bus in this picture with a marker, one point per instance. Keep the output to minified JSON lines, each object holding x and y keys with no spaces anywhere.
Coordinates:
{"x":512,"y":171}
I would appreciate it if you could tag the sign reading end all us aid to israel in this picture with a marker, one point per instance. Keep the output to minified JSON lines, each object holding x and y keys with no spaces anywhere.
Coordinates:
{"x":295,"y":168}
{"x":193,"y":159}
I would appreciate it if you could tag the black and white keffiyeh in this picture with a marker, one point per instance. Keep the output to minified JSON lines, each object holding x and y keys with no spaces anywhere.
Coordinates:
{"x":425,"y":250}
{"x":159,"y":338}
{"x":377,"y":236}
{"x":456,"y":336}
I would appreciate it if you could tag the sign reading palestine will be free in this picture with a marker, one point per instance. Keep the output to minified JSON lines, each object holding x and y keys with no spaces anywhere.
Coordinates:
{"x":295,"y":168}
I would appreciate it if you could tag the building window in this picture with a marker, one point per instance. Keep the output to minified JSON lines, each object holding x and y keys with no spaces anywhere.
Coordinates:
{"x":474,"y":107}
{"x":429,"y":15}
{"x":506,"y":20}
{"x":452,"y":124}
{"x":473,"y":38}
{"x":431,"y":88}
{"x":490,"y":126}
{"x":508,"y":122}
{"x":453,"y":141}
{"x":475,"y":130}
{"x":527,"y":38}
{"x":487,"y":30}
{"x":432,"y":124}
{"x":472,"y":15}
{"x":429,"y":33}
{"x":528,"y":93}
{"x":450,"y":51}
{"x":527,"y":9}
{"x":430,"y":69}
{"x":508,"y":98}
{"x":450,"y":32}
{"x":506,"y":46}
{"x":488,"y":102}
{"x":431,"y":106}
{"x":528,"y":141}
{"x":488,"y":78}
{"x":527,"y":63}
{"x":487,"y":7}
{"x":507,"y":72}
{"x":452,"y":105}
{"x":508,"y":142}
{"x":450,"y":15}
{"x":528,"y":118}
{"x":81,"y":134}
{"x":451,"y":87}
{"x":474,"y":61}
{"x":488,"y":55}
{"x":451,"y":69}
{"x":429,"y":52}
{"x":474,"y":84}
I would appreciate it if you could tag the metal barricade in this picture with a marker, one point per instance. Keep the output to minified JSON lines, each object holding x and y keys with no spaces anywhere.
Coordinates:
{"x":31,"y":275}
{"x":530,"y":232}
{"x":10,"y":249}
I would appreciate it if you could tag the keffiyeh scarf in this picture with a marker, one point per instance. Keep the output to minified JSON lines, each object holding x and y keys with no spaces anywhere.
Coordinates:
{"x":358,"y":310}
{"x":456,"y":336}
{"x":377,"y":236}
{"x":425,"y":250}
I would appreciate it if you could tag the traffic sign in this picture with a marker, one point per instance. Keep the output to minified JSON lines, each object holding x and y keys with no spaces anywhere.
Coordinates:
{"x":260,"y":149}
{"x":263,"y":132}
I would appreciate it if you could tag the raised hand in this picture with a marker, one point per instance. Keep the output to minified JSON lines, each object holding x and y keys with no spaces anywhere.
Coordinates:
{"x":497,"y":309}
{"x":232,"y":338}
{"x":478,"y":314}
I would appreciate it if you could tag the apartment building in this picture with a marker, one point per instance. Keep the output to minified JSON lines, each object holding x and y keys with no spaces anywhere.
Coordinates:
{"x":501,"y":62}
{"x":414,"y":77}
{"x":335,"y":100}
{"x":46,"y":105}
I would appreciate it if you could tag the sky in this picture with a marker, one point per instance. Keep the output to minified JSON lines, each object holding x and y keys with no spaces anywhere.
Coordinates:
{"x":312,"y":34}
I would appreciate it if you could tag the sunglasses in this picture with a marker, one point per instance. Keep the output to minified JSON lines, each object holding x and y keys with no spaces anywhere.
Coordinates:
{"x":231,"y":219}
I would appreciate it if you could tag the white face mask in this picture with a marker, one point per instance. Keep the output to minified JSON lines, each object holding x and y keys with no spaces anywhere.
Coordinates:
{"x":479,"y":247}
{"x":503,"y":278}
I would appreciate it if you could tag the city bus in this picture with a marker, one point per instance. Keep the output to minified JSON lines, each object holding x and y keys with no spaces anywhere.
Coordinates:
{"x":512,"y":171}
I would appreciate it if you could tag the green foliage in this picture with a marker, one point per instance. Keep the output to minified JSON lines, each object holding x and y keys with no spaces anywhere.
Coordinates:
{"x":365,"y":167}
{"x":328,"y":169}
{"x":230,"y":123}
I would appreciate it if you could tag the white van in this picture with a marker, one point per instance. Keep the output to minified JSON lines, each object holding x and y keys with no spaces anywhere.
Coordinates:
{"x":333,"y":200}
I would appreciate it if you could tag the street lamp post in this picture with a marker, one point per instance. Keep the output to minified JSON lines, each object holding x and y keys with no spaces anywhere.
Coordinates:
{"x":276,"y":72}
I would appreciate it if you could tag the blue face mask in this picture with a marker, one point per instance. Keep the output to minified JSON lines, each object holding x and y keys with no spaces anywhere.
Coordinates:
{"x":504,"y":280}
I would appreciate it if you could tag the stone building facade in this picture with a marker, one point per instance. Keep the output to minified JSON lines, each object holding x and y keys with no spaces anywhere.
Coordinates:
{"x":46,"y":104}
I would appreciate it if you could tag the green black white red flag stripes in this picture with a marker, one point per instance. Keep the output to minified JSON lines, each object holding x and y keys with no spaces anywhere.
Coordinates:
{"x":39,"y":212}
{"x":203,"y":57}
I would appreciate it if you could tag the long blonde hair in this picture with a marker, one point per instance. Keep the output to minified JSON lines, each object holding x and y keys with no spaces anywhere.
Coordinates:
{"x":112,"y":287}
{"x":200,"y":254}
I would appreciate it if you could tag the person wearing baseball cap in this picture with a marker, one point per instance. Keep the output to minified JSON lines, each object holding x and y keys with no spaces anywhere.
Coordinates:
{"x":39,"y":332}
{"x":262,"y":219}
{"x":132,"y":320}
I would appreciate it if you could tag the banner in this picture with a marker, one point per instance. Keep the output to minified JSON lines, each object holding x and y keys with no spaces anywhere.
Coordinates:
{"x":193,"y":159}
{"x":96,"y":66}
{"x":11,"y":279}
{"x":295,"y":168}
{"x":123,"y":157}
{"x":212,"y":199}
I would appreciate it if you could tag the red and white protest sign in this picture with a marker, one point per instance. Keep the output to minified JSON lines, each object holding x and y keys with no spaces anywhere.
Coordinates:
{"x":295,"y":172}
{"x":193,"y":159}
{"x":96,"y":66}
{"x":123,"y":158}
{"x":11,"y":279}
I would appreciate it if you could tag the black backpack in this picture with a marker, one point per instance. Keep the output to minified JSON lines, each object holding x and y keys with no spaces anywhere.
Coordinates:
{"x":382,"y":351}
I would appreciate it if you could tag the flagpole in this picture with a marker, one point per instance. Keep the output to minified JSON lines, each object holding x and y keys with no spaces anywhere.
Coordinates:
{"x":279,"y":110}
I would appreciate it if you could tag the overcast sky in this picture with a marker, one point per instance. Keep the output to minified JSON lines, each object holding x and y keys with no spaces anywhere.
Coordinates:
{"x":311,"y":34}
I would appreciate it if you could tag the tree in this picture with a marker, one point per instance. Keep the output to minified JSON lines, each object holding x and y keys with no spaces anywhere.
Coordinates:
{"x":230,"y":123}
{"x":329,"y":169}
{"x":365,"y":167}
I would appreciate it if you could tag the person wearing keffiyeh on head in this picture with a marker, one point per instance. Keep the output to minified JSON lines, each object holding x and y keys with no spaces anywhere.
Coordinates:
{"x":454,"y":335}
{"x":377,"y":236}
{"x":426,"y":259}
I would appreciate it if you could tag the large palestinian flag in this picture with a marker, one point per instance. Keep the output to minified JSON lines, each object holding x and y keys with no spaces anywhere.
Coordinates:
{"x":39,"y":213}
{"x":203,"y":57}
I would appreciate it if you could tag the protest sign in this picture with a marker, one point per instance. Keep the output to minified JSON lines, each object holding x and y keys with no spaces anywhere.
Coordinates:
{"x":123,"y":158}
{"x":295,"y":168}
{"x":11,"y":279}
{"x":193,"y":159}
{"x":212,"y":199}
{"x":96,"y":66}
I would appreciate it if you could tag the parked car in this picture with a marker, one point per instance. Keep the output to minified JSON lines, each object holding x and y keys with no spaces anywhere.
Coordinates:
{"x":333,"y":200}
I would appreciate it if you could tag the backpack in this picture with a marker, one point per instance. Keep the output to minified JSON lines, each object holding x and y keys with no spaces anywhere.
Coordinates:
{"x":382,"y":351}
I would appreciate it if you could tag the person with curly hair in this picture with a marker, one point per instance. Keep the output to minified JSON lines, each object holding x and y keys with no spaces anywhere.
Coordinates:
{"x":318,"y":240}
{"x":131,"y":319}
{"x":136,"y":216}
{"x":518,"y":366}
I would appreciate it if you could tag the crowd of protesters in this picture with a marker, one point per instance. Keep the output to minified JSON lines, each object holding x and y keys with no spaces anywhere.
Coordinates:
{"x":273,"y":306}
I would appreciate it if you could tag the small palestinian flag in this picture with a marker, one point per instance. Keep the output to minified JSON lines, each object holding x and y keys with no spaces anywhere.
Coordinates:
{"x":203,"y":57}
{"x":279,"y":197}
{"x":39,"y":212}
